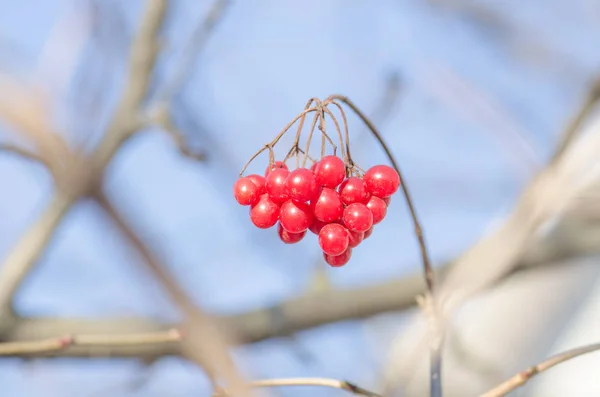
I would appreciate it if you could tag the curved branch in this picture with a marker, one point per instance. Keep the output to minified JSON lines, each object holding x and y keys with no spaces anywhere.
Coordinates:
{"x":524,"y":376}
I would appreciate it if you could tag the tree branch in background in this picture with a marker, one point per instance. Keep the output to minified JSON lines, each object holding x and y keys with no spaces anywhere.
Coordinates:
{"x":21,"y":152}
{"x":321,"y":382}
{"x":524,"y":376}
{"x":205,"y":343}
{"x":91,"y":343}
{"x":29,"y":249}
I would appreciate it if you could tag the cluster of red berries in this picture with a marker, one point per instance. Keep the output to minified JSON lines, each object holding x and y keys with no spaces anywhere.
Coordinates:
{"x":340,"y":210}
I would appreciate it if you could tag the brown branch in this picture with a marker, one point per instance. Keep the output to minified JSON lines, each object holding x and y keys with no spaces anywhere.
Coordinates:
{"x":524,"y":376}
{"x":437,"y":341}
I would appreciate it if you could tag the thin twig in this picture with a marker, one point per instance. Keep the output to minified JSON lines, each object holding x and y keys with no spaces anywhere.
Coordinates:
{"x":321,"y":382}
{"x":32,"y":245}
{"x":206,"y":344}
{"x":524,"y":376}
{"x":21,"y":152}
{"x":200,"y":37}
{"x":437,"y":338}
{"x":50,"y":345}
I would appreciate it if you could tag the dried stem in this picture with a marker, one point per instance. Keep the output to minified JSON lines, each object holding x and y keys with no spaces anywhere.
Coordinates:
{"x":524,"y":376}
{"x":437,"y":345}
{"x":274,"y":142}
{"x":321,"y":382}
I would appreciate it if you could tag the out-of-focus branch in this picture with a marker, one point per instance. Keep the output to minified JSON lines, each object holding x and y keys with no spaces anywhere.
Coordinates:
{"x":91,"y":343}
{"x":21,"y":152}
{"x":524,"y":376}
{"x":321,"y":382}
{"x":575,"y":123}
{"x":161,"y":116}
{"x":28,"y":250}
{"x":159,"y":112}
{"x":206,"y":344}
{"x":571,"y":238}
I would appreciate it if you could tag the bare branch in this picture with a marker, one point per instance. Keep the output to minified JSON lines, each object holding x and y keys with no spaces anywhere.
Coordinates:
{"x":161,"y":116}
{"x":21,"y":152}
{"x":577,"y":120}
{"x":322,"y":382}
{"x":199,"y":39}
{"x":91,"y":343}
{"x":524,"y":376}
{"x":206,"y":344}
{"x":28,"y":250}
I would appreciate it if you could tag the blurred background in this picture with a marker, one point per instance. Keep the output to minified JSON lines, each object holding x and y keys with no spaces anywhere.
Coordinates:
{"x":472,"y":97}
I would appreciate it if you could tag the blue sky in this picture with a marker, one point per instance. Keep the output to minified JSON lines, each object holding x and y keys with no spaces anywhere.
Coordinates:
{"x":262,"y":64}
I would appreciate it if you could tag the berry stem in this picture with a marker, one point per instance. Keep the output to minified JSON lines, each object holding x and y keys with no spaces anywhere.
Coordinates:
{"x":436,"y":348}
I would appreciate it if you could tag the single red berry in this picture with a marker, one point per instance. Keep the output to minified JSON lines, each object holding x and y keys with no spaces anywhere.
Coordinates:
{"x":264,"y":213}
{"x":287,"y":237}
{"x":353,"y":190}
{"x":368,"y":233}
{"x":316,"y":226}
{"x":382,"y":180}
{"x":355,"y":238}
{"x":378,"y":209}
{"x":358,"y":218}
{"x":275,"y":165}
{"x":327,"y":206}
{"x":330,"y":171}
{"x":338,"y":260}
{"x":245,"y":192}
{"x":259,"y":181}
{"x":295,"y":216}
{"x":275,"y":184}
{"x":301,"y":184}
{"x":333,"y":239}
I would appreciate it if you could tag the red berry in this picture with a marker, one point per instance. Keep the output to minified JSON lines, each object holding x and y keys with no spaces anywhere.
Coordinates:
{"x":338,"y":260}
{"x":330,"y":171}
{"x":358,"y":218}
{"x":333,"y":239}
{"x":275,"y":184}
{"x":275,"y":165}
{"x":327,"y":206}
{"x":259,"y":181}
{"x":382,"y":180}
{"x":355,"y":238}
{"x":316,"y":226}
{"x":368,"y":233}
{"x":245,"y":192}
{"x":295,"y":217}
{"x":378,"y":208}
{"x":287,"y":237}
{"x":301,"y":184}
{"x":353,"y":190}
{"x":264,"y":213}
